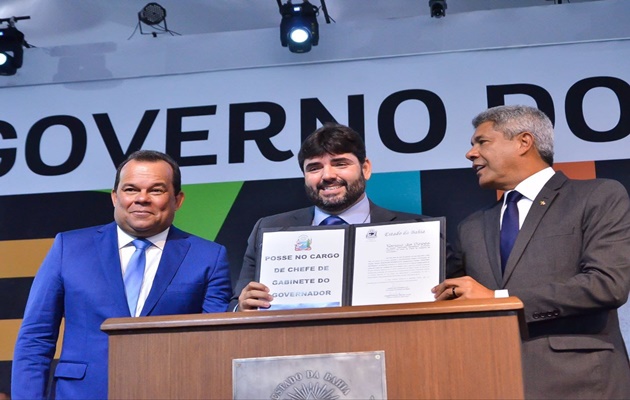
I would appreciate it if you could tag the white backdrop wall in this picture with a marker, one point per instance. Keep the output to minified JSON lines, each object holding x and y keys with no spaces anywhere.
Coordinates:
{"x":239,"y":125}
{"x":414,"y":84}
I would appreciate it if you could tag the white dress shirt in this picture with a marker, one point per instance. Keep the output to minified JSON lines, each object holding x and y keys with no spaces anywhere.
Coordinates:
{"x":529,"y":188}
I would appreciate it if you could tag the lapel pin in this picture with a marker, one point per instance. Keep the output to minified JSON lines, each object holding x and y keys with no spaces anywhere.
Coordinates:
{"x":542,"y":202}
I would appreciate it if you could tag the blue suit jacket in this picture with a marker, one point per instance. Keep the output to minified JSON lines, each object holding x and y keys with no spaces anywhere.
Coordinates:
{"x":81,"y":281}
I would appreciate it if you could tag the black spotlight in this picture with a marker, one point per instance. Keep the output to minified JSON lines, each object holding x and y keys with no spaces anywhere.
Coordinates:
{"x":154,"y":16}
{"x":11,"y":47}
{"x":438,"y":8}
{"x":299,"y":29}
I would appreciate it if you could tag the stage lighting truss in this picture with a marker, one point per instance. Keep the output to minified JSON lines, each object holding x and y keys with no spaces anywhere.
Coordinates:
{"x":12,"y":45}
{"x":153,"y":15}
{"x":438,"y":8}
{"x":299,"y":29}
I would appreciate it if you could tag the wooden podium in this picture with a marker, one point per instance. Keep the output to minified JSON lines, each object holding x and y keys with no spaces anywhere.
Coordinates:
{"x":462,"y":349}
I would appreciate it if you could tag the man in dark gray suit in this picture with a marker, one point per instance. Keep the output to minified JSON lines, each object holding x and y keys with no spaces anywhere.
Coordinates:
{"x":569,"y":264}
{"x":336,"y":168}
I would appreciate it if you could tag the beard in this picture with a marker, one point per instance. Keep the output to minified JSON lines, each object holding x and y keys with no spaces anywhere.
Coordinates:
{"x":336,"y":204}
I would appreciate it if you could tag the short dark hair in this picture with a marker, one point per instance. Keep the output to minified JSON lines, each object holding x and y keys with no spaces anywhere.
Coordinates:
{"x":332,"y":138}
{"x":152,"y":156}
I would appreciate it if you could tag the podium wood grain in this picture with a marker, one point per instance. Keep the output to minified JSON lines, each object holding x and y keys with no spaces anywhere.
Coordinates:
{"x":443,"y":350}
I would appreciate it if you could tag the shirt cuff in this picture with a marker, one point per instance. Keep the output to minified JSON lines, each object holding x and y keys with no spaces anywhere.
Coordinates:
{"x":501,"y":294}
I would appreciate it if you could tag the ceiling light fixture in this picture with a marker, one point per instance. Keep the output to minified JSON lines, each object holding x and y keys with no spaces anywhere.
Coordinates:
{"x":154,"y":16}
{"x":438,"y":8}
{"x":299,"y":29}
{"x":12,"y":45}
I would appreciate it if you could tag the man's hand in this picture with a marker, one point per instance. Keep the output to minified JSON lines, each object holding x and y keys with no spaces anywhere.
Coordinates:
{"x":253,"y":296}
{"x":461,"y":288}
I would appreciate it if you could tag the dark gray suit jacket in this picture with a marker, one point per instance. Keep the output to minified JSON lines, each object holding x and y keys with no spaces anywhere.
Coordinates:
{"x":301,"y":217}
{"x":571,"y":268}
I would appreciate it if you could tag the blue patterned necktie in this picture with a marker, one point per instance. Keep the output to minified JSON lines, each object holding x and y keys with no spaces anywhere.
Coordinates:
{"x":333,"y":220}
{"x":135,"y":273}
{"x":509,"y":226}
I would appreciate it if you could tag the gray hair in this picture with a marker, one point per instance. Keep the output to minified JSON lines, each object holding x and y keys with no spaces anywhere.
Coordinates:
{"x":512,"y":120}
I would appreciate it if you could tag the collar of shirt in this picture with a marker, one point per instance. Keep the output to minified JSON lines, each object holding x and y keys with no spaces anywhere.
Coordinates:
{"x":529,"y":188}
{"x":357,"y":214}
{"x":124,"y":239}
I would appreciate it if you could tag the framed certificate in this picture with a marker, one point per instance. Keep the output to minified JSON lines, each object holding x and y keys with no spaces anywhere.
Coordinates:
{"x":366,"y":264}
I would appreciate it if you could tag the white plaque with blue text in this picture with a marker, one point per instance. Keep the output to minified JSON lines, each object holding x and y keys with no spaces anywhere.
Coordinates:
{"x":304,"y":268}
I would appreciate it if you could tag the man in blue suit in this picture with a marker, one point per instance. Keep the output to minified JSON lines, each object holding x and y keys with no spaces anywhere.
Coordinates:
{"x":81,"y":281}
